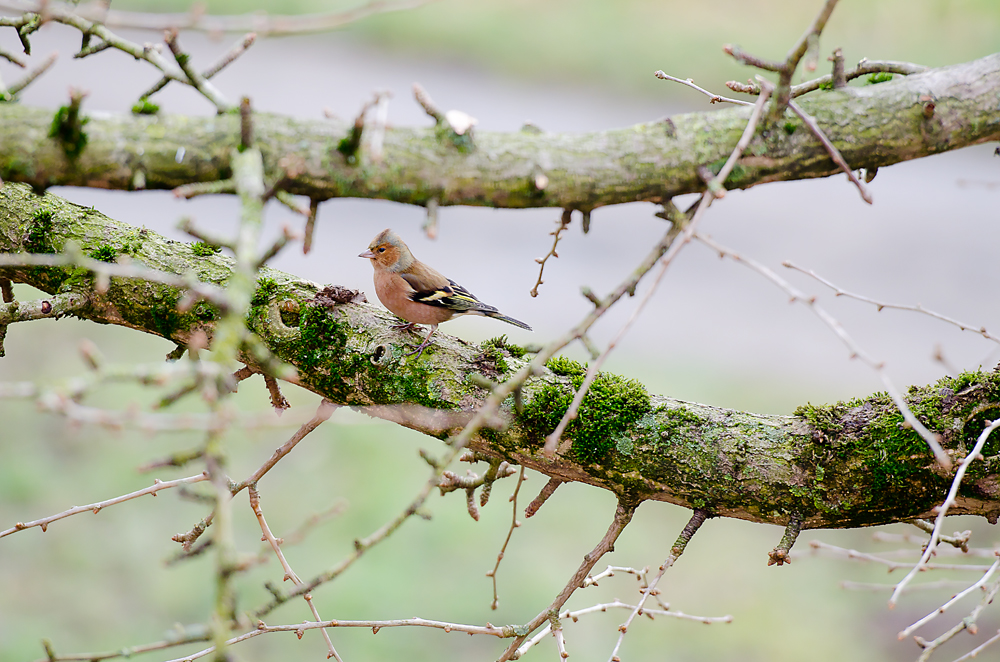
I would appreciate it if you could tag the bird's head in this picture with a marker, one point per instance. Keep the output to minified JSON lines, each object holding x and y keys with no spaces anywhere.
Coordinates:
{"x":388,"y":251}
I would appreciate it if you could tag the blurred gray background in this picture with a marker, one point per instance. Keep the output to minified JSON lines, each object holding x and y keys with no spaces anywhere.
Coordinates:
{"x":715,"y":332}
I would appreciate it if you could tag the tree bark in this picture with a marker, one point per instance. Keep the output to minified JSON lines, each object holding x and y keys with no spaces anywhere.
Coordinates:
{"x":845,"y":465}
{"x":878,"y":125}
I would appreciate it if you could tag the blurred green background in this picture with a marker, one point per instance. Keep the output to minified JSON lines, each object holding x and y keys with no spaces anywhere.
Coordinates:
{"x":100,"y":582}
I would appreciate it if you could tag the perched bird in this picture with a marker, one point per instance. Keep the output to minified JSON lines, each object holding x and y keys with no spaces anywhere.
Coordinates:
{"x":419,"y":294}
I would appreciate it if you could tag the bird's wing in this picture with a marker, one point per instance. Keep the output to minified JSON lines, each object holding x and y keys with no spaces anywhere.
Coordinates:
{"x":452,"y":296}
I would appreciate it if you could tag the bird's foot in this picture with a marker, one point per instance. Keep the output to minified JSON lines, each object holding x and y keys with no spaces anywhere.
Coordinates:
{"x":408,"y":326}
{"x":420,"y":350}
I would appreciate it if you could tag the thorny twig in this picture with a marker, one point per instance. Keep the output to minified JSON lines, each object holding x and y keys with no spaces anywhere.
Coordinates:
{"x":492,"y":574}
{"x":698,"y":518}
{"x":564,"y":221}
{"x":289,"y":573}
{"x":678,"y":238}
{"x":880,"y":305}
{"x":854,"y":348}
{"x":266,"y":25}
{"x":623,"y":515}
{"x":95,"y":508}
{"x":830,"y":148}
{"x":942,"y":510}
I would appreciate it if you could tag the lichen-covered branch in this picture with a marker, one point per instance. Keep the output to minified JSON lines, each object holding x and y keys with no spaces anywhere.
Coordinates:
{"x":845,"y":465}
{"x":871,"y":126}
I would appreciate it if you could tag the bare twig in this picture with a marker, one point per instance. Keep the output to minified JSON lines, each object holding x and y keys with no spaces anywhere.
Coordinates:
{"x":425,"y":101}
{"x":779,"y":555}
{"x":839,"y":77}
{"x":289,"y":573}
{"x":617,"y":604}
{"x":698,"y":518}
{"x":942,"y":510}
{"x":266,"y":25}
{"x":623,"y":515}
{"x":959,"y":540}
{"x":310,"y":226}
{"x":880,"y":305}
{"x":980,"y":648}
{"x":492,"y":574}
{"x":228,"y":58}
{"x":713,"y":98}
{"x":323,"y":412}
{"x":854,"y":348}
{"x":830,"y":148}
{"x":73,"y":257}
{"x":30,"y":77}
{"x":543,"y":496}
{"x":430,"y":226}
{"x":855,"y":555}
{"x":564,"y":221}
{"x":864,"y":68}
{"x":967,"y":623}
{"x":683,"y":236}
{"x":943,"y":608}
{"x":98,"y":506}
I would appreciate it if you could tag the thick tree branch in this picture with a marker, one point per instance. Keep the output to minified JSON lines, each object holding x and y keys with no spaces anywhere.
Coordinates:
{"x":846,"y":465}
{"x":871,"y":126}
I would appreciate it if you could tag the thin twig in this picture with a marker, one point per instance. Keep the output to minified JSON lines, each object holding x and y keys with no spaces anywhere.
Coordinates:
{"x":698,"y":518}
{"x":682,"y":239}
{"x":854,"y":348}
{"x":264,"y":24}
{"x":543,"y":496}
{"x":865,"y":67}
{"x":30,"y":77}
{"x":564,"y":221}
{"x":942,"y":510}
{"x":323,"y":412}
{"x":855,"y":555}
{"x":95,"y":508}
{"x":967,"y":623}
{"x":880,"y":305}
{"x":623,"y":515}
{"x":227,"y":58}
{"x":943,"y":608}
{"x":980,"y":648}
{"x":74,"y":258}
{"x":289,"y":573}
{"x":492,"y":574}
{"x":617,"y":604}
{"x":714,"y":98}
{"x":307,"y":241}
{"x":830,"y":148}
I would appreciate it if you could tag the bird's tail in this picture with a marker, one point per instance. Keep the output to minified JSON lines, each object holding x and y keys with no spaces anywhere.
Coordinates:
{"x":510,"y":320}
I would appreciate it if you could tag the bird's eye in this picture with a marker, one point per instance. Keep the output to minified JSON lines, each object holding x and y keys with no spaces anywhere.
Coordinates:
{"x":381,"y":249}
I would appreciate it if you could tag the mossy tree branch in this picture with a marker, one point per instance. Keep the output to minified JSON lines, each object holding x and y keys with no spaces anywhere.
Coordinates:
{"x":851,"y":464}
{"x":871,"y":126}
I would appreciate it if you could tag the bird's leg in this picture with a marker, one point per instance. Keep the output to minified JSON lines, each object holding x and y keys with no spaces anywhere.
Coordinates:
{"x":406,"y":326}
{"x":420,"y":350}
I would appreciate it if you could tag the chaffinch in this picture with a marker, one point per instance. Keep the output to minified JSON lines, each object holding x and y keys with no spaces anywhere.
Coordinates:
{"x":419,"y":294}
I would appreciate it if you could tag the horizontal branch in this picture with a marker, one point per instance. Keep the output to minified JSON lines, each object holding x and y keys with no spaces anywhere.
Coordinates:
{"x":844,"y":465}
{"x":871,"y":126}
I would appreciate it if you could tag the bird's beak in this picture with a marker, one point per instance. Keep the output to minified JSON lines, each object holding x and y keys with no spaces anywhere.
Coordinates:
{"x":368,"y":254}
